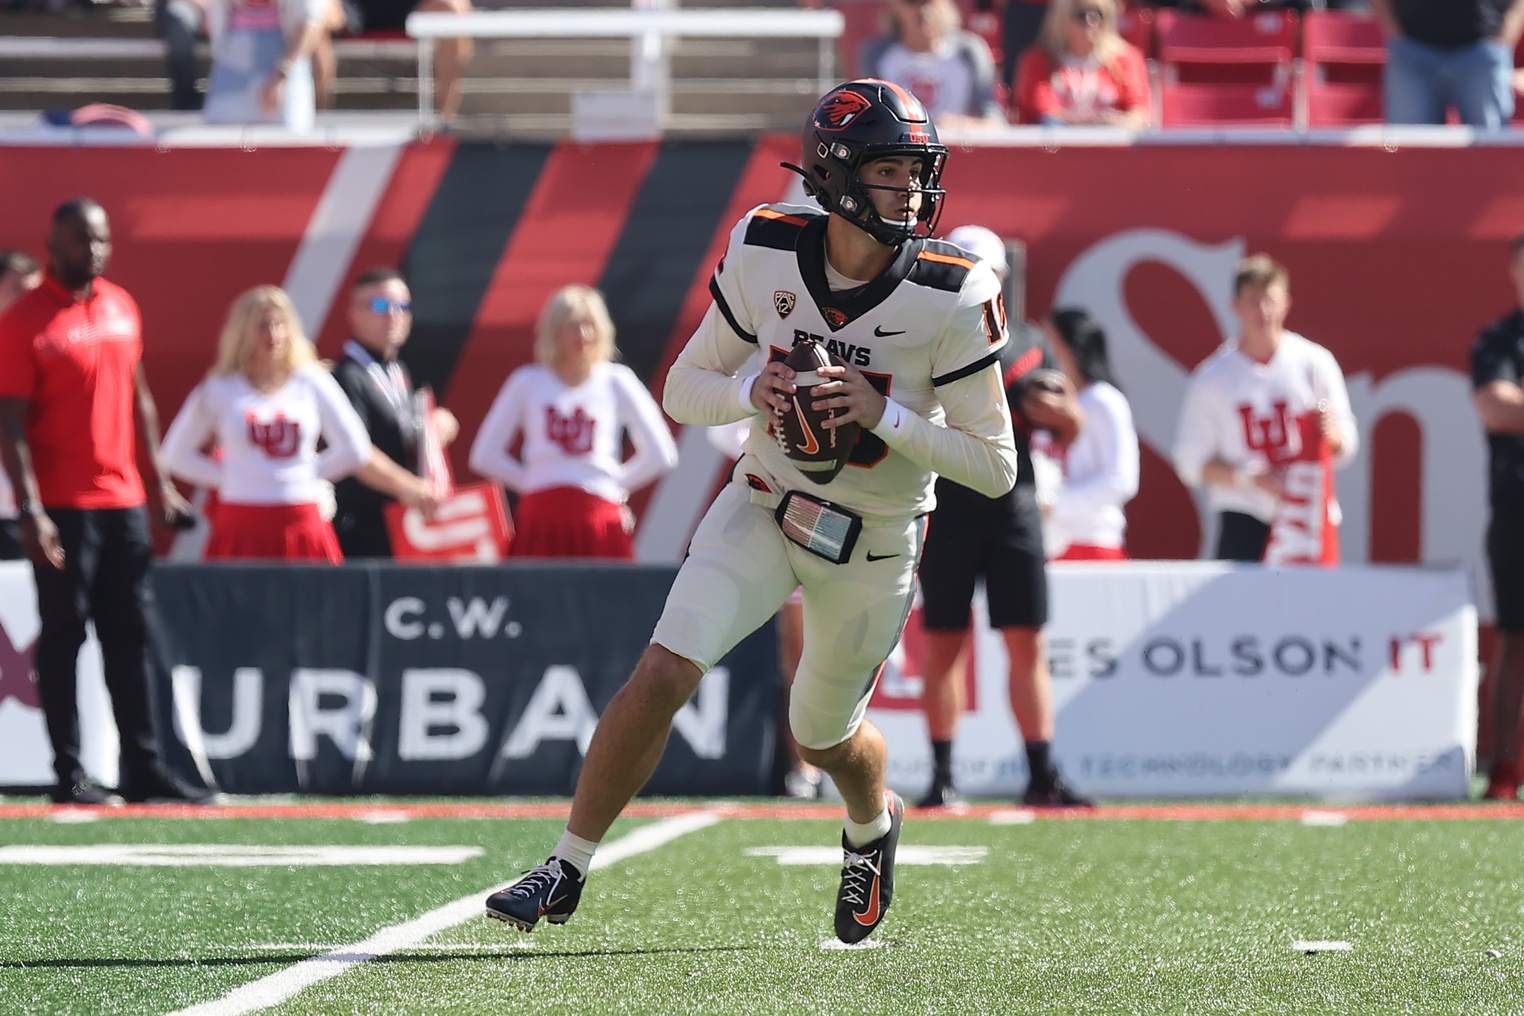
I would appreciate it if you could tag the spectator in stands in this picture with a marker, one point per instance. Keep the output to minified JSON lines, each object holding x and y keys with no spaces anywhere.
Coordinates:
{"x":72,"y":350}
{"x":926,"y":52}
{"x":19,"y":273}
{"x":265,"y":404}
{"x":1000,"y":539}
{"x":1082,"y":71}
{"x":262,"y":61}
{"x":1085,"y":518}
{"x":1497,"y":372}
{"x":1239,"y":423}
{"x":1449,"y":53}
{"x":1245,"y":8}
{"x":381,"y":390}
{"x":450,"y":55}
{"x":571,"y":408}
{"x":179,"y":24}
{"x":1020,"y":24}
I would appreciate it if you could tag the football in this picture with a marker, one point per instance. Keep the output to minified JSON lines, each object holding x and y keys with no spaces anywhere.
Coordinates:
{"x":818,"y":451}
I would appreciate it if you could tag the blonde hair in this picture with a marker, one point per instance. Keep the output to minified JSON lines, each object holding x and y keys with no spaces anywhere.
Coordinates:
{"x":945,"y":17}
{"x":1109,"y":44}
{"x":565,"y":304}
{"x":236,"y":345}
{"x":1260,"y":271}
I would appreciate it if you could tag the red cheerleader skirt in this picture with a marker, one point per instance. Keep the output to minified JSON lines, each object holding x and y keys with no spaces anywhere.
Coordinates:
{"x":1090,"y":552}
{"x":272,"y":532}
{"x":570,"y":522}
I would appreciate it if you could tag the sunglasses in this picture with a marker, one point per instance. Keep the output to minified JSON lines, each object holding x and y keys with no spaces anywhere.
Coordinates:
{"x":381,"y":305}
{"x":1087,"y":15}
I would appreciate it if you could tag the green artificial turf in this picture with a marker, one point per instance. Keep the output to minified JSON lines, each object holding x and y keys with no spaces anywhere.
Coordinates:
{"x":1083,"y":916}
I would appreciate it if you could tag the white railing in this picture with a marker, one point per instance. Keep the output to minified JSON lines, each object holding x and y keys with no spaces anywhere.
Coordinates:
{"x":647,"y":29}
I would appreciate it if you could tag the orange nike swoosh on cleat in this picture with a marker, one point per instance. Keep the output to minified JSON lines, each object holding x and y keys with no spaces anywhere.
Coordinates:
{"x":811,"y":445}
{"x":869,"y":917}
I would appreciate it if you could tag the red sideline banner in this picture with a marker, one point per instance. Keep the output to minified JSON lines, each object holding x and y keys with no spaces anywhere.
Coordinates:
{"x":1397,"y":251}
{"x":472,"y":524}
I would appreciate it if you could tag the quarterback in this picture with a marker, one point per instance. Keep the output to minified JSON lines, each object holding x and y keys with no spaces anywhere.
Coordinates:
{"x":906,"y":334}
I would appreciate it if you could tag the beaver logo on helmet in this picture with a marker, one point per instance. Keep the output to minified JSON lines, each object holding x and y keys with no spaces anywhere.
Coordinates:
{"x":840,"y":109}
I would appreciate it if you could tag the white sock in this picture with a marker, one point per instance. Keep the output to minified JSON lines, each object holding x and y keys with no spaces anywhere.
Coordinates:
{"x":860,"y":834}
{"x":576,"y":851}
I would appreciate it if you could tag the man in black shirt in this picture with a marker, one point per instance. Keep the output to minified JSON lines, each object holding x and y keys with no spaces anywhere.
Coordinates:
{"x":1444,"y":53}
{"x":1497,"y":368}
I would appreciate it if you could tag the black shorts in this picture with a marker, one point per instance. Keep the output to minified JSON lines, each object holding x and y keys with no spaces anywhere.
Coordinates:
{"x":1505,"y":559}
{"x":972,"y":536}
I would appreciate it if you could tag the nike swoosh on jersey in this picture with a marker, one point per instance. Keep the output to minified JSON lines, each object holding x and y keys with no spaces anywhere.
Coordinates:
{"x":879,"y":331}
{"x":880,"y":557}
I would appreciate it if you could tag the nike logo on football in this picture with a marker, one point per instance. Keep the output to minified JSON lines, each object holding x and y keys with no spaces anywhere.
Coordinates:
{"x":879,"y":331}
{"x":868,"y":918}
{"x":880,"y":557}
{"x":811,"y":446}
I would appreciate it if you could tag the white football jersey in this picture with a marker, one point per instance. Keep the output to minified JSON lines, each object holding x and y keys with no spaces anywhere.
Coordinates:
{"x":1241,"y":411}
{"x":268,"y":439}
{"x":925,"y":333}
{"x":573,"y":434}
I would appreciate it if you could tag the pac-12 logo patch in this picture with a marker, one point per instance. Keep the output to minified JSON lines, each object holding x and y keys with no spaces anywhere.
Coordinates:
{"x":783,"y":300}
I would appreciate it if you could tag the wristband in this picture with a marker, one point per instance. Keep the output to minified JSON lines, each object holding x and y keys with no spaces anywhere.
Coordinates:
{"x":29,"y":508}
{"x":284,"y":68}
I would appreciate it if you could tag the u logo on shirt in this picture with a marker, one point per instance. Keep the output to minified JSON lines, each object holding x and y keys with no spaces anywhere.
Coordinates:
{"x":278,"y":437}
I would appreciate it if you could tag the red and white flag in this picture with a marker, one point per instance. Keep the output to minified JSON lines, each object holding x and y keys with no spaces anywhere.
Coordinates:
{"x":1305,"y":528}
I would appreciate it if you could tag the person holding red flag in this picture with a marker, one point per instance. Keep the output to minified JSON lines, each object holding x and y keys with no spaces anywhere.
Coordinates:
{"x":1257,"y":412}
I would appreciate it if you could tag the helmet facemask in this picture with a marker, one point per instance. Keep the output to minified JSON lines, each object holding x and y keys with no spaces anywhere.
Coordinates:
{"x":845,"y":193}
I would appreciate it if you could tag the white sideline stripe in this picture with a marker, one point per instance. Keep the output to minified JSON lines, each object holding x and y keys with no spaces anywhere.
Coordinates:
{"x":1332,"y":819}
{"x":1019,"y":816}
{"x":1322,"y":946}
{"x":277,"y":987}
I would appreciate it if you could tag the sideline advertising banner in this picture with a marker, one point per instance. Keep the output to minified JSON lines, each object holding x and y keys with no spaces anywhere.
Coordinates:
{"x":385,"y":679}
{"x":1200,"y":679}
{"x":26,"y":757}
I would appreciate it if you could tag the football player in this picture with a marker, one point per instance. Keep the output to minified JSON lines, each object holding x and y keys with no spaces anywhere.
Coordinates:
{"x":917,"y":326}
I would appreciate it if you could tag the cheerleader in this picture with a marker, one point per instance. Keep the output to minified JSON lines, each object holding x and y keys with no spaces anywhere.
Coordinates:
{"x":263,"y":407}
{"x":571,"y":408}
{"x":1100,"y":466}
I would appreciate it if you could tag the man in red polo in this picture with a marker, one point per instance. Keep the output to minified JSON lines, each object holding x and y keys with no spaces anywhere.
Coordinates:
{"x":72,"y":350}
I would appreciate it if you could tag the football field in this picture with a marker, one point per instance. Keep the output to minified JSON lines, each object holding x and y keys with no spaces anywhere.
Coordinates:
{"x":374,"y":907}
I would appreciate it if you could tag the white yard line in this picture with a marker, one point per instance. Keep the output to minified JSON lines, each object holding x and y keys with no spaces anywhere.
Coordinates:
{"x":277,"y":987}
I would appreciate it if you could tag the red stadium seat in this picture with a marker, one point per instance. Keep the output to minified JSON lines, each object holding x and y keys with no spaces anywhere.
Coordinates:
{"x":1197,"y":104}
{"x":864,"y":19}
{"x":1200,"y":48}
{"x":1220,"y":71}
{"x":1343,"y":58}
{"x":1137,"y":27}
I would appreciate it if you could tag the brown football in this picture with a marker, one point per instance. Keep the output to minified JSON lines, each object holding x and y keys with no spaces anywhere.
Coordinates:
{"x":818,"y":451}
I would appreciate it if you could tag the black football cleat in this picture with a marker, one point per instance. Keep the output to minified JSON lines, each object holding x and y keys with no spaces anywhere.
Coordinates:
{"x":551,"y":891}
{"x":867,"y":878}
{"x":1056,"y":794}
{"x":941,"y":795}
{"x":83,"y":790}
{"x":160,"y":786}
